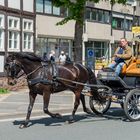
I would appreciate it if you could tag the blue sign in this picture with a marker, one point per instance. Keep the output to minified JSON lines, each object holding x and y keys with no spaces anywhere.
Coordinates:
{"x":90,"y":53}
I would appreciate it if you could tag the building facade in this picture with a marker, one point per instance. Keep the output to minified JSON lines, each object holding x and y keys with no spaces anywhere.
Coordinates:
{"x":30,"y":26}
{"x":17,"y":28}
{"x":105,"y":24}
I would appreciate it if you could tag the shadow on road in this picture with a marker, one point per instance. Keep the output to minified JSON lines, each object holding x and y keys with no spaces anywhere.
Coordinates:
{"x":113,"y":113}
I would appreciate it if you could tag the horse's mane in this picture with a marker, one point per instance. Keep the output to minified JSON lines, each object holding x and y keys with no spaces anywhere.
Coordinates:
{"x":29,"y":56}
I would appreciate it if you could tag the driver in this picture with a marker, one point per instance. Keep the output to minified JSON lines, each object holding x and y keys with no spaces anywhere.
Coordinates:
{"x":122,"y":55}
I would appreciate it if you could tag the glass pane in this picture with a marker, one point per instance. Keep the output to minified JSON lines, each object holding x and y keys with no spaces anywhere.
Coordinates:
{"x":88,"y":11}
{"x":25,"y":25}
{"x":56,"y":10}
{"x":0,"y":21}
{"x":63,"y":11}
{"x":39,"y":5}
{"x":100,"y":16}
{"x":94,"y":14}
{"x":48,"y":6}
{"x":10,"y":22}
{"x":1,"y":38}
{"x":64,"y":45}
{"x":106,"y":17}
{"x":15,"y":23}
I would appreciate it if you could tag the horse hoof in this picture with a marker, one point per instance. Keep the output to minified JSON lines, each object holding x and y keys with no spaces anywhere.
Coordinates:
{"x":69,"y":121}
{"x":58,"y":116}
{"x":23,"y":126}
{"x":88,"y":111}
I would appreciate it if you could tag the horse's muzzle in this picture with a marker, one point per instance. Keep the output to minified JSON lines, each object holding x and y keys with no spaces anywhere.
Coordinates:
{"x":11,"y":81}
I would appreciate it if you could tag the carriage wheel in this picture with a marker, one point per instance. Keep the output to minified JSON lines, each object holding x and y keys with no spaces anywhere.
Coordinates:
{"x":99,"y":107}
{"x":132,"y":105}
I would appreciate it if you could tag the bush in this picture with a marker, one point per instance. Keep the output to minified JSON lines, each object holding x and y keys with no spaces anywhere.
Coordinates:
{"x":3,"y":91}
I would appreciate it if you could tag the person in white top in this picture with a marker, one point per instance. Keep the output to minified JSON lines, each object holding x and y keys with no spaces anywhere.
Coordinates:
{"x":62,"y":58}
{"x":52,"y":56}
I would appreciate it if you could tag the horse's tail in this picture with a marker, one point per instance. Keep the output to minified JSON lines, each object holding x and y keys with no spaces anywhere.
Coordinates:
{"x":93,"y":80}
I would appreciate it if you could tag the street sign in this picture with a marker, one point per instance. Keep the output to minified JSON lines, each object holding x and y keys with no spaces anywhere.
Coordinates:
{"x":136,"y":29}
{"x":90,"y":53}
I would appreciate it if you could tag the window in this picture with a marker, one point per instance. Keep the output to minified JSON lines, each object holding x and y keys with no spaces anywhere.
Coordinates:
{"x":56,"y":10}
{"x":100,"y":16}
{"x":106,"y":17}
{"x":27,"y":41}
{"x":13,"y":40}
{"x":117,"y":23}
{"x":13,"y":34}
{"x":27,"y":35}
{"x":88,"y":12}
{"x":2,"y":32}
{"x":13,"y":23}
{"x":63,"y":11}
{"x":94,"y":14}
{"x":1,"y":40}
{"x":136,"y":21}
{"x":39,"y":5}
{"x":100,"y":49}
{"x":48,"y":6}
{"x":28,"y":25}
{"x":128,"y":24}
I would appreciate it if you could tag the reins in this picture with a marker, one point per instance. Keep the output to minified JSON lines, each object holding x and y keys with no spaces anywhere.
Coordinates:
{"x":33,"y":71}
{"x":84,"y":84}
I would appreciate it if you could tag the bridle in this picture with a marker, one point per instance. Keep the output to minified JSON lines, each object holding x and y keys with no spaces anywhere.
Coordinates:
{"x":12,"y":68}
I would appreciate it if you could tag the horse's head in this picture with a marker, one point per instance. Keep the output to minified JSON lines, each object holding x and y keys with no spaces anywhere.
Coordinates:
{"x":12,"y":68}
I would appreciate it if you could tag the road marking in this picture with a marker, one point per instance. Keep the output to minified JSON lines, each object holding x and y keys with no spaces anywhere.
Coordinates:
{"x":21,"y":103}
{"x":34,"y":117}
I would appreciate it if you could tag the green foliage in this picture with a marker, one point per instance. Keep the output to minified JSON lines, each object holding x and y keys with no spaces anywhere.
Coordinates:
{"x":77,"y":7}
{"x":3,"y":91}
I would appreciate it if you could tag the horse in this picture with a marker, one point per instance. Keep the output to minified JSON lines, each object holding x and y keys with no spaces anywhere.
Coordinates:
{"x":45,"y":78}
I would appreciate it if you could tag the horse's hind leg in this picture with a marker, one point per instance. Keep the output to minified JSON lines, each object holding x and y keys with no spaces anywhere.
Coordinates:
{"x":85,"y":109}
{"x":46,"y":99}
{"x":30,"y":107}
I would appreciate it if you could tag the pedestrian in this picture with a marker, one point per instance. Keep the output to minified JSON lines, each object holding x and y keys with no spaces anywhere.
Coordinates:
{"x":122,"y":55}
{"x":52,"y":56}
{"x":45,"y":58}
{"x":68,"y":60}
{"x":62,"y":58}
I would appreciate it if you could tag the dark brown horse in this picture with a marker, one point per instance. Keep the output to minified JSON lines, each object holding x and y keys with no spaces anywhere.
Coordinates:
{"x":46,"y":78}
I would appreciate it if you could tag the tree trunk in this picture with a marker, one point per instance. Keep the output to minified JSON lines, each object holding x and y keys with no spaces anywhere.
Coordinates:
{"x":78,"y":42}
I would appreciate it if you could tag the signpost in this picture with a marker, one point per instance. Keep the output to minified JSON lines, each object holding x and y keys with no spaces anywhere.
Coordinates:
{"x":90,"y":56}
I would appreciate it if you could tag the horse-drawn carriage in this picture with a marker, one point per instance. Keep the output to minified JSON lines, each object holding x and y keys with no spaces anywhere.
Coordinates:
{"x":46,"y":78}
{"x":125,"y":89}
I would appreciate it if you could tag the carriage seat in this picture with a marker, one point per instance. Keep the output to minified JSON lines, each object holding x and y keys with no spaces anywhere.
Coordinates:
{"x":133,"y":69}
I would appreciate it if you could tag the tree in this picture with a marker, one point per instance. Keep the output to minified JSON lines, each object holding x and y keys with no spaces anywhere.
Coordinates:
{"x":77,"y":12}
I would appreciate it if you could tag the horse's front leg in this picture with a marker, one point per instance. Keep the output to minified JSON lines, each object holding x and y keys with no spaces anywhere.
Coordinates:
{"x":30,"y":107}
{"x":76,"y":104}
{"x":46,"y":99}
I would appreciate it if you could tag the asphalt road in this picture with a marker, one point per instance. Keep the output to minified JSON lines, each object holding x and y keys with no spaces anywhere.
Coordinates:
{"x":86,"y":127}
{"x":13,"y":107}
